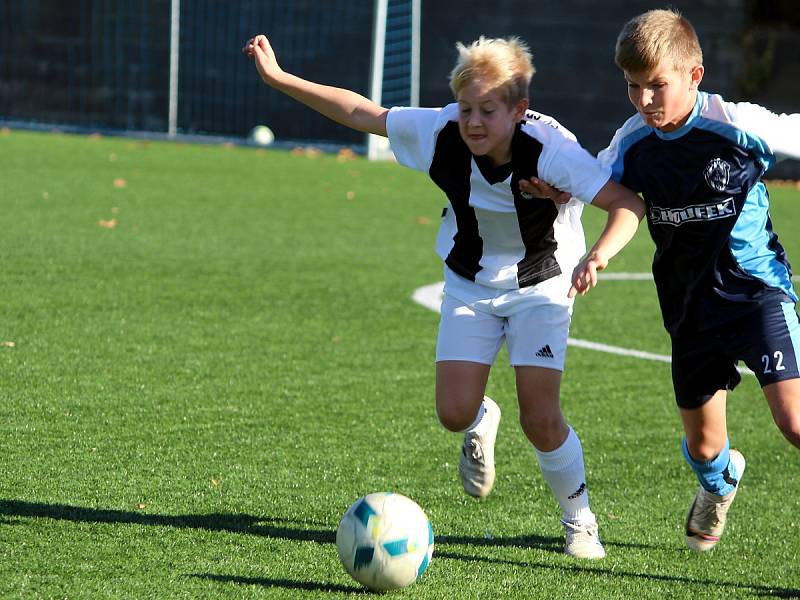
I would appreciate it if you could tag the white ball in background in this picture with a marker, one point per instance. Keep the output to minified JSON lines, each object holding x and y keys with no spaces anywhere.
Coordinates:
{"x":262,"y":135}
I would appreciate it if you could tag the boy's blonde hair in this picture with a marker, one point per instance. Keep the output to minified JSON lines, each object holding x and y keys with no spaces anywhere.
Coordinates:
{"x":655,"y":36}
{"x":504,"y":64}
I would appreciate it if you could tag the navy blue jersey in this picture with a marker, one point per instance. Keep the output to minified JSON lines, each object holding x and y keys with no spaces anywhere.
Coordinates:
{"x":717,"y":257}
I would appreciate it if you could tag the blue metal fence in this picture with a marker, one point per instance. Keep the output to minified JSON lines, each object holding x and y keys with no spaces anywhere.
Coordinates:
{"x":104,"y":64}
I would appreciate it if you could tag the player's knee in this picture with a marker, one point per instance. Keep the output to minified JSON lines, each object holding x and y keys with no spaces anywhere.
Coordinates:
{"x":789,"y":424}
{"x":542,"y":429}
{"x":453,"y":422}
{"x":453,"y":417}
{"x":702,"y":450}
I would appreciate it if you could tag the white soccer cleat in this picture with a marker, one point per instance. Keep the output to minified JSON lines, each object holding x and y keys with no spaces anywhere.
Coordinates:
{"x":708,"y":513}
{"x":476,"y":466}
{"x":583,"y":540}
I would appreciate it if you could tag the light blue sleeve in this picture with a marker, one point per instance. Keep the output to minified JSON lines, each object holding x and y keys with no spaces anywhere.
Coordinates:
{"x":613,"y":157}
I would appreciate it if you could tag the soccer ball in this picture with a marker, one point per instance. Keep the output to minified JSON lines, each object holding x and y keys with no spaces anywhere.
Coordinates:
{"x":385,"y":541}
{"x":262,"y":135}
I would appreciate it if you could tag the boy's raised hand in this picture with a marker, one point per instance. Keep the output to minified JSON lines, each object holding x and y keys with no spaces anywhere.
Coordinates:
{"x":540,"y":189}
{"x":260,"y":50}
{"x":344,"y":106}
{"x":584,"y":277}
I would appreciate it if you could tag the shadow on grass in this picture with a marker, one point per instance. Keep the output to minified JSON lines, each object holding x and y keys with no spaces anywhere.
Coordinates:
{"x":279,"y":528}
{"x":584,"y":568}
{"x":240,"y":523}
{"x":539,"y":542}
{"x":288,"y":584}
{"x":233,"y":523}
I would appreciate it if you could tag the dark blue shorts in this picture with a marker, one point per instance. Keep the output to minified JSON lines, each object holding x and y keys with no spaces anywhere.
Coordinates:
{"x":766,"y":340}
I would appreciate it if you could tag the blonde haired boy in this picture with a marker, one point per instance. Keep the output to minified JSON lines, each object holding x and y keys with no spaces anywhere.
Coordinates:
{"x":723,"y":279}
{"x":505,"y":64}
{"x":507,"y":255}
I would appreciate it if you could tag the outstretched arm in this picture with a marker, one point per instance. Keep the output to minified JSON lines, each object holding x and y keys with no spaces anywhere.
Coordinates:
{"x":343,"y":106}
{"x":625,"y":210}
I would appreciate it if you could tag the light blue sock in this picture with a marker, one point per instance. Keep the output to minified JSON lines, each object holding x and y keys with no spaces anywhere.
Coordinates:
{"x":719,"y":475}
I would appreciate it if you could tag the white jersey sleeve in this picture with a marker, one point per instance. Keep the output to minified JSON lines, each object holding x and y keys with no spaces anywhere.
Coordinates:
{"x":565,"y":164}
{"x":781,"y":132}
{"x":412,"y":136}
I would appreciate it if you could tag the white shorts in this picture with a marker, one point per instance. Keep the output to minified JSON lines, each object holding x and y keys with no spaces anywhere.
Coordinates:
{"x":533,"y":321}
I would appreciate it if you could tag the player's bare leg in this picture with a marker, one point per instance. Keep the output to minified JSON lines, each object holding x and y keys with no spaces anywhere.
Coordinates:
{"x":717,"y":467}
{"x":460,"y":386}
{"x":706,"y":427}
{"x":560,"y":456}
{"x":783,"y":398}
{"x":539,"y":395}
{"x":462,"y":406}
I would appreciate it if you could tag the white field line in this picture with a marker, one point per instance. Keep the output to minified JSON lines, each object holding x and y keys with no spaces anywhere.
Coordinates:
{"x":430,"y":296}
{"x":643,"y":276}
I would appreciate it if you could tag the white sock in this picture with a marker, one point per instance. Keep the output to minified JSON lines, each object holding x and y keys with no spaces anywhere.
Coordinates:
{"x":563,"y":470}
{"x":476,"y":424}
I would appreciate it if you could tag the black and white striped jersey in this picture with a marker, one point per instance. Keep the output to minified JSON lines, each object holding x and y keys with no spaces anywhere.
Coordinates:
{"x":491,"y":232}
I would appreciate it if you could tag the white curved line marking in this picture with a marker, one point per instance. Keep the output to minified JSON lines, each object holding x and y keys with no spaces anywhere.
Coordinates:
{"x":430,"y":296}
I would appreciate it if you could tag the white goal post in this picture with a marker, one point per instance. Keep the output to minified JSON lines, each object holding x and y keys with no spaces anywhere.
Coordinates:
{"x":394,"y":74}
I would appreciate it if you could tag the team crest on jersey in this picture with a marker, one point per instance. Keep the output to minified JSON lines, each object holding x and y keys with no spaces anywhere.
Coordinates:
{"x":717,"y":174}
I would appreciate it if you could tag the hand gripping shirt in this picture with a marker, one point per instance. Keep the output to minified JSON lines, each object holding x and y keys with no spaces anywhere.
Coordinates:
{"x":717,"y":257}
{"x":491,"y":233}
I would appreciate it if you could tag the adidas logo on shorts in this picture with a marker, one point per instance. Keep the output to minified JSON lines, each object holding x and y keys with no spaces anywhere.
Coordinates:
{"x":545,"y":352}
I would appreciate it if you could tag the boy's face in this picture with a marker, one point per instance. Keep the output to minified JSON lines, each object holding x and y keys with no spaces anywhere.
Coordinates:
{"x":665,"y":96}
{"x":486,"y":121}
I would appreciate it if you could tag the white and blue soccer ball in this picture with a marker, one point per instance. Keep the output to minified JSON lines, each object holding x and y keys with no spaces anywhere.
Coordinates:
{"x":385,"y":541}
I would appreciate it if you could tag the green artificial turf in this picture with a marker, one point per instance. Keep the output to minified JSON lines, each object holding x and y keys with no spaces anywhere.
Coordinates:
{"x":209,"y":352}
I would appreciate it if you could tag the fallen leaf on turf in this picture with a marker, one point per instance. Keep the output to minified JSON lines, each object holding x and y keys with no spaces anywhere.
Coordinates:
{"x":345,"y":154}
{"x":119,"y":182}
{"x":350,"y":195}
{"x":108,"y":224}
{"x":422,"y":221}
{"x":215,"y":482}
{"x":141,"y":505}
{"x":309,"y":152}
{"x":8,"y":344}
